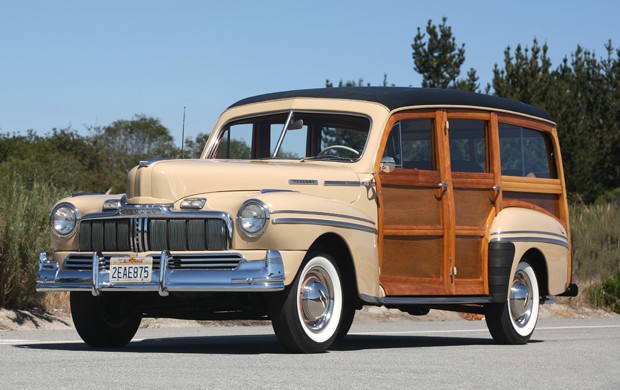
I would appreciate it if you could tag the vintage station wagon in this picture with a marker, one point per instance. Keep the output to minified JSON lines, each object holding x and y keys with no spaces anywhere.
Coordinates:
{"x":306,"y":205}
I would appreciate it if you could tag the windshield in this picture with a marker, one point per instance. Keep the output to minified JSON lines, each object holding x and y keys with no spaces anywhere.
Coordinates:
{"x":294,"y":135}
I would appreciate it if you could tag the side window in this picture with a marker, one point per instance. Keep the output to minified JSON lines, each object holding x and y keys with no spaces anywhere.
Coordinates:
{"x":526,"y":152}
{"x":468,"y":145}
{"x":236,"y":142}
{"x":411,"y":144}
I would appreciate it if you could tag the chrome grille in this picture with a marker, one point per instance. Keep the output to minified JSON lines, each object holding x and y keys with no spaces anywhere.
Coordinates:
{"x":212,"y":261}
{"x":153,"y":234}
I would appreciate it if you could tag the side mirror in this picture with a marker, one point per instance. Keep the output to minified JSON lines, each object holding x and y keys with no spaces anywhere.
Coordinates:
{"x":387,"y":164}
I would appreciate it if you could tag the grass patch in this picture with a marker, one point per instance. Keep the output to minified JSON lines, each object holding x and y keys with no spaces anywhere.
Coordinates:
{"x":24,"y":207}
{"x":596,"y":243}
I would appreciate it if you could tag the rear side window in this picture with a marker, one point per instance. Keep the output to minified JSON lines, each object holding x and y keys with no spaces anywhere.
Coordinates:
{"x":468,"y":145}
{"x":526,"y":152}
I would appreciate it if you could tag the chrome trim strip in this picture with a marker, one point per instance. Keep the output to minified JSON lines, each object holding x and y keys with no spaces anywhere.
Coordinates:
{"x":282,"y":134}
{"x":322,"y":214}
{"x":444,"y":300}
{"x":162,"y":280}
{"x":145,"y":234}
{"x":322,"y":222}
{"x":272,"y":190}
{"x":138,"y":231}
{"x":154,"y":211}
{"x":529,"y":232}
{"x":94,"y":281}
{"x":531,"y":239}
{"x":303,"y":182}
{"x":341,"y":183}
{"x":132,"y":246}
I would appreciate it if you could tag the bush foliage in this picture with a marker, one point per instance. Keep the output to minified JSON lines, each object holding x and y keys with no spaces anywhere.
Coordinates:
{"x":24,"y":206}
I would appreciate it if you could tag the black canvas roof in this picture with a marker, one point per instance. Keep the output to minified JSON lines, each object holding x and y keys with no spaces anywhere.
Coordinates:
{"x":397,"y":97}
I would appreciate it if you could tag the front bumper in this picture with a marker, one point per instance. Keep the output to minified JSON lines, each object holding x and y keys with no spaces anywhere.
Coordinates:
{"x":257,"y":275}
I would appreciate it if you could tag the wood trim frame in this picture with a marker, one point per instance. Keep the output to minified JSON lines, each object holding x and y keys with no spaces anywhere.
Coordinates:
{"x":462,"y":180}
{"x":557,"y":186}
{"x":424,"y":175}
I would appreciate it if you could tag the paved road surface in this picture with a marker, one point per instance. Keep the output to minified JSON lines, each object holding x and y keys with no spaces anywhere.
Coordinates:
{"x":567,"y":354}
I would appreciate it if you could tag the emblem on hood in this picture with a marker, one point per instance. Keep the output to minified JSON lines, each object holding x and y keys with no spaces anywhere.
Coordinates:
{"x":303,"y":182}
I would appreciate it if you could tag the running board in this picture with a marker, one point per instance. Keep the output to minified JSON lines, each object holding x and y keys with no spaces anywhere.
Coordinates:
{"x":444,"y":300}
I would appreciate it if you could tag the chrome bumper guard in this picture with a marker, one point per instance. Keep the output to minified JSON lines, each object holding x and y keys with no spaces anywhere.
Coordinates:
{"x":256,"y":275}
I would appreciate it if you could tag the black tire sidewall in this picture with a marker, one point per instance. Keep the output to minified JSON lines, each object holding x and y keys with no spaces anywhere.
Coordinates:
{"x":95,"y":325}
{"x":499,"y":321}
{"x":285,"y":315}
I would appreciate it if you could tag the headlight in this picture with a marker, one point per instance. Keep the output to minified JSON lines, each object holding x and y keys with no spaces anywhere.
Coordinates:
{"x":63,"y":219}
{"x":252,"y":217}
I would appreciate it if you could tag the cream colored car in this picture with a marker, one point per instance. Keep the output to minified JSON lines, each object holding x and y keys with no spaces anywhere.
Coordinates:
{"x":306,"y":205}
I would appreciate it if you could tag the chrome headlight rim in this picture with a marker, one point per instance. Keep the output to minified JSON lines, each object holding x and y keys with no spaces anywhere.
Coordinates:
{"x":72,"y":211}
{"x":264,"y":217}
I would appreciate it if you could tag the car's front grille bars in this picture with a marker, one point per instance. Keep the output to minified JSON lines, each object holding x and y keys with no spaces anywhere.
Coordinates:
{"x":207,"y":261}
{"x":153,"y":234}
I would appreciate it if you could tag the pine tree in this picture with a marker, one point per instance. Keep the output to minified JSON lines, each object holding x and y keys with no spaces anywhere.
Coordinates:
{"x":438,"y":58}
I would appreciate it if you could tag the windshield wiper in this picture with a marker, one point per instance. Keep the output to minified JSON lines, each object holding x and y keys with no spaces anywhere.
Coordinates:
{"x":327,"y":158}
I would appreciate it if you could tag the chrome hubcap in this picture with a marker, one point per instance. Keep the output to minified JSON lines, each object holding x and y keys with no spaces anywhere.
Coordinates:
{"x":316,"y":300}
{"x":521,"y":299}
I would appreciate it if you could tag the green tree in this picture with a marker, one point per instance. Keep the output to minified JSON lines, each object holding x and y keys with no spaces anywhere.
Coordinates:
{"x":438,"y":58}
{"x":526,"y":75}
{"x":194,"y":147}
{"x":124,"y":143}
{"x":63,"y":158}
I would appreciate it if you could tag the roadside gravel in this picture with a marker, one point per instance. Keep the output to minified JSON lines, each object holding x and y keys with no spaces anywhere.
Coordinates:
{"x":61,"y":319}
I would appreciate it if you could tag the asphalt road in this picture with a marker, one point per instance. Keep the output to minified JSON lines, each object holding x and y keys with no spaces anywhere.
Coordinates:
{"x":575,"y":354}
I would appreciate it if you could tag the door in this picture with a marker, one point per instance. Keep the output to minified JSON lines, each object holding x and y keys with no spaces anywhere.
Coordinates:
{"x":473,"y":189}
{"x":413,"y":208}
{"x":436,"y":206}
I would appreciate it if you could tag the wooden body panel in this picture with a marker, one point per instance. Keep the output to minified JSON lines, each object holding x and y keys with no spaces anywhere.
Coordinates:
{"x":433,"y":242}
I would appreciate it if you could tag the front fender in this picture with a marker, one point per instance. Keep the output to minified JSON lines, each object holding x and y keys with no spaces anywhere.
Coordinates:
{"x":298,"y":220}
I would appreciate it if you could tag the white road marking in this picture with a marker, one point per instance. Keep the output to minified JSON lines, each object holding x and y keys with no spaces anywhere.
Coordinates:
{"x":43,"y":342}
{"x":477,"y":330}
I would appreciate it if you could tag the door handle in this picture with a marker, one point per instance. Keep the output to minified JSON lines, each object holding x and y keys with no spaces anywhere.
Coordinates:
{"x":497,"y":188}
{"x":443,"y":187}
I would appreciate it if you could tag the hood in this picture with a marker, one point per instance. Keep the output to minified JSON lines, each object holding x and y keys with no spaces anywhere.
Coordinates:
{"x":167,"y":181}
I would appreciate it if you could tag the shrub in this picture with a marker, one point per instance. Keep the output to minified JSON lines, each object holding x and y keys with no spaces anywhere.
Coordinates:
{"x":24,"y":206}
{"x":596,"y":241}
{"x":607,"y":295}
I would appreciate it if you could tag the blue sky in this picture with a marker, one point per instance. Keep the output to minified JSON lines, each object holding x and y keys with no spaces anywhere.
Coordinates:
{"x":87,"y":63}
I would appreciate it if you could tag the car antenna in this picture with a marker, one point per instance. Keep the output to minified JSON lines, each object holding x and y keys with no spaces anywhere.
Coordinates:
{"x":183,"y":134}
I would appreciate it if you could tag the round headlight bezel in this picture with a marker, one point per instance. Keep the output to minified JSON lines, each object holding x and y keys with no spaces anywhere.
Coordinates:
{"x":253,"y":210}
{"x":71,"y":217}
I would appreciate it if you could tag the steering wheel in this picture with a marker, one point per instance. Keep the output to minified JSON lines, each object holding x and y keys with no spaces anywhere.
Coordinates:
{"x":322,"y":152}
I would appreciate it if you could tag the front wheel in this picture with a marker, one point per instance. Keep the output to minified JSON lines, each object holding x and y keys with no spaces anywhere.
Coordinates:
{"x":104,"y":321}
{"x":513,"y":321}
{"x":306,"y":316}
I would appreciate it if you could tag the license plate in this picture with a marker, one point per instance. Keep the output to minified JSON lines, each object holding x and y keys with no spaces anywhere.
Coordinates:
{"x":131,"y":269}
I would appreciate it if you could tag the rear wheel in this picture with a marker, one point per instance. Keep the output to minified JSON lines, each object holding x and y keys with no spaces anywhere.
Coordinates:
{"x":307,"y":315}
{"x":513,"y":321}
{"x":104,"y":321}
